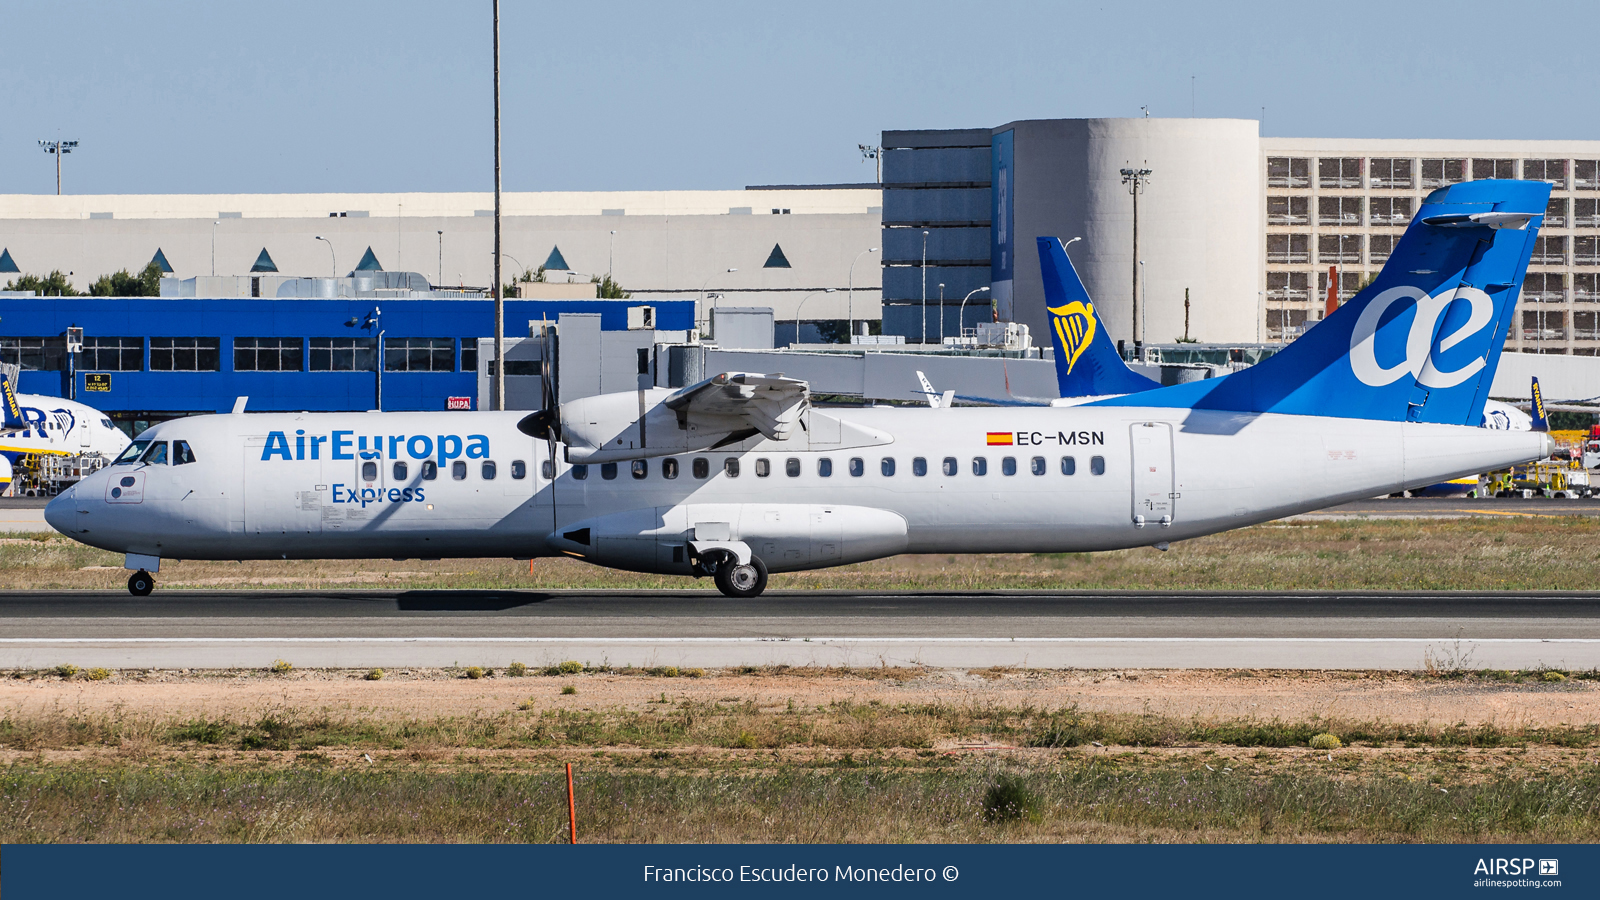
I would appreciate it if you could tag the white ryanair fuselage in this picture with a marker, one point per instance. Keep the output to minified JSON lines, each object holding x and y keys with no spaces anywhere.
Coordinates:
{"x":850,"y":485}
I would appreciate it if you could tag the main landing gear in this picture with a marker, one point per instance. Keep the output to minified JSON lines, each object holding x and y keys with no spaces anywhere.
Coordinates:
{"x":141,"y":583}
{"x":743,"y":582}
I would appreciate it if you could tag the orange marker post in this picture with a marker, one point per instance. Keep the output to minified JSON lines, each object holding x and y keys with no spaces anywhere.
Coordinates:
{"x":572,"y":807}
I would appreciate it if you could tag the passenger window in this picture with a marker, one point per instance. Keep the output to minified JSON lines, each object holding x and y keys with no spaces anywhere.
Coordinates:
{"x":702,"y":467}
{"x":857,"y":467}
{"x":1008,"y":465}
{"x":458,"y":470}
{"x":980,"y":465}
{"x":919,"y":467}
{"x":430,"y":470}
{"x":791,"y":468}
{"x":399,"y":471}
{"x":951,"y":467}
{"x":887,"y":466}
{"x":579,"y":473}
{"x":731,"y":467}
{"x":824,"y":467}
{"x":369,"y":471}
{"x":763,"y":468}
{"x":181,"y":454}
{"x":608,"y":471}
{"x":640,"y":468}
{"x":1097,"y":465}
{"x":1069,"y":465}
{"x":489,"y":470}
{"x":1038,"y":466}
{"x":669,"y":468}
{"x":548,"y":469}
{"x":156,"y":455}
{"x":519,"y":469}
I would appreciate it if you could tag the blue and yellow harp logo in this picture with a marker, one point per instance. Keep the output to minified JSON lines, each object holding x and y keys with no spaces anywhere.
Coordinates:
{"x":1075,"y":325}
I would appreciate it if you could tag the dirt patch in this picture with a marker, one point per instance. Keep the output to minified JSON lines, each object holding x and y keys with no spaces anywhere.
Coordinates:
{"x":1179,"y":694}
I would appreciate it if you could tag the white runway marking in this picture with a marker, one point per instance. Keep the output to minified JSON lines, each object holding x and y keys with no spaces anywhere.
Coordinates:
{"x":793,"y":640}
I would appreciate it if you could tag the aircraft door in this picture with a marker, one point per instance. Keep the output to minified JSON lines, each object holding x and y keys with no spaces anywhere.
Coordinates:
{"x":571,"y":492}
{"x":1154,"y":487}
{"x":362,"y":498}
{"x":279,"y":497}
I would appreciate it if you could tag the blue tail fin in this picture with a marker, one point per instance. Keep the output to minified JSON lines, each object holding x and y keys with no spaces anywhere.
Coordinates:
{"x":12,"y":409}
{"x":1087,"y":363}
{"x":1422,"y":342}
{"x":1541,"y":421}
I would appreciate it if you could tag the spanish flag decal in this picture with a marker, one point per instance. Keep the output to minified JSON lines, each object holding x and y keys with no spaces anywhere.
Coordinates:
{"x":999,"y":438}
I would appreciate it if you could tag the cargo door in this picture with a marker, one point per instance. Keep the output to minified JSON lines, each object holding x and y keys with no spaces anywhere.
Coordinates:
{"x":1154,"y":490}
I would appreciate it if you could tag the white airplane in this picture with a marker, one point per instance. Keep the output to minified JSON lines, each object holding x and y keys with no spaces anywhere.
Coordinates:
{"x":739,"y":476}
{"x":38,"y":425}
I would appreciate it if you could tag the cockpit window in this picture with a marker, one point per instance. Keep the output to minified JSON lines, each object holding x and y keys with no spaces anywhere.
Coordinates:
{"x":107,"y":423}
{"x":181,"y":454}
{"x":156,"y":455}
{"x":131,"y":454}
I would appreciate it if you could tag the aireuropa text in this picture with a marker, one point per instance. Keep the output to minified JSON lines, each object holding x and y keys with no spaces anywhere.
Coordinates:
{"x":794,"y":873}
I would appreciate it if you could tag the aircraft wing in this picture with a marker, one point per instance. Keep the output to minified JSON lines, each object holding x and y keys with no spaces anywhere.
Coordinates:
{"x":770,"y":404}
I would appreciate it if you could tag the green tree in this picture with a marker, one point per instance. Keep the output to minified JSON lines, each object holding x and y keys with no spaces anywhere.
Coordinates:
{"x":609,"y":289}
{"x":125,"y":284}
{"x":53,"y":285}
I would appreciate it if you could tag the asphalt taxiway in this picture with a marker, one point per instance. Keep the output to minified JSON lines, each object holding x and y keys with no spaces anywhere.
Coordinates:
{"x":1336,"y":630}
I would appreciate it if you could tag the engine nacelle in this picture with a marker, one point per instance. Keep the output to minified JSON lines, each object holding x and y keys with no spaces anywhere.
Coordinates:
{"x":635,"y":425}
{"x":788,"y":537}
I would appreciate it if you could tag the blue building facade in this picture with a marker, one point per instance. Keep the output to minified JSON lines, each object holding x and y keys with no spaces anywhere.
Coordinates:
{"x":146,"y":359}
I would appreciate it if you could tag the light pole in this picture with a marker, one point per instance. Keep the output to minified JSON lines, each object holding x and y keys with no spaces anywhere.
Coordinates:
{"x":331,"y":255}
{"x":961,"y":317}
{"x":60,"y":149}
{"x":441,"y":257}
{"x":498,"y":387}
{"x":376,"y":321}
{"x":803,"y":303}
{"x":214,"y":247}
{"x":703,"y":285}
{"x":850,"y":303}
{"x":941,"y":313}
{"x":1136,"y":179}
{"x":924,"y":286}
{"x":611,"y":253}
{"x":515,"y":260}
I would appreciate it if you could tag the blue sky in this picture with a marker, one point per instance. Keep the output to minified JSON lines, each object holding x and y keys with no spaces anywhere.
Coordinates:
{"x":395,"y":96}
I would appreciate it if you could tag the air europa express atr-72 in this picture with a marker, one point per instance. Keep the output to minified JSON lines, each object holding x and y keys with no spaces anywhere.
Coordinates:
{"x":738,"y":476}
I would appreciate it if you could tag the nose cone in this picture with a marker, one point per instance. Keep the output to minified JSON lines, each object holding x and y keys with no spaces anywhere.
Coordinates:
{"x":62,"y":512}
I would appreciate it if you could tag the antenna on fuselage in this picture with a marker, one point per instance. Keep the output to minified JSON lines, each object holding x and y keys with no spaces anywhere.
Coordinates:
{"x":238,"y":405}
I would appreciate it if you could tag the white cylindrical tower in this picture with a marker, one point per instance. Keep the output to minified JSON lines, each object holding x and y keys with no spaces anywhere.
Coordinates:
{"x":1199,"y":221}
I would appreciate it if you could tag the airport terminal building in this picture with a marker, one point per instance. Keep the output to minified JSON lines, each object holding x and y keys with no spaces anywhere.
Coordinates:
{"x":1239,"y":238}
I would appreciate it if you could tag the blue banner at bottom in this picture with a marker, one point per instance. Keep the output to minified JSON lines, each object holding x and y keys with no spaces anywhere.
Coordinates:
{"x":1119,"y":870}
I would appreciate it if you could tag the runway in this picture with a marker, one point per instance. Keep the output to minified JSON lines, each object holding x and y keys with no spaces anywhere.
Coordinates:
{"x":1344,"y":630}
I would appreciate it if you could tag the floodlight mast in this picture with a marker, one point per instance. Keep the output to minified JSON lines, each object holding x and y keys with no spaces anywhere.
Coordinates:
{"x":60,"y":149}
{"x":1136,"y":179}
{"x":498,"y":385}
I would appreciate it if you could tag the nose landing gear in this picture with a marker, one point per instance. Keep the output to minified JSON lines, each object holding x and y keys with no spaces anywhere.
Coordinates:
{"x":141,"y":583}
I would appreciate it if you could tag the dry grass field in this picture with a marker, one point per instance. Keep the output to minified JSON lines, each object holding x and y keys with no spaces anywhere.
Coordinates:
{"x":881,"y":755}
{"x":1524,"y":553}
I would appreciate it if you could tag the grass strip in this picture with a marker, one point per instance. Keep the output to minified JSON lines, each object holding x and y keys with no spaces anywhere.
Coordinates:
{"x":1059,"y":801}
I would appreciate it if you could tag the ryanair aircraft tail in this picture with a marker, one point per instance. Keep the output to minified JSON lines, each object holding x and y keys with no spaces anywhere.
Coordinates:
{"x":1422,"y":342}
{"x":13,"y":409}
{"x":1087,"y":363}
{"x":1541,"y":419}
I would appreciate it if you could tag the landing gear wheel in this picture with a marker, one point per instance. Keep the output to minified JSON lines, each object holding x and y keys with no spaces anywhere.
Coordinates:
{"x":743,"y":582}
{"x":140,"y":583}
